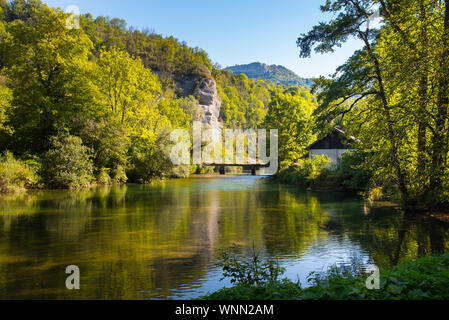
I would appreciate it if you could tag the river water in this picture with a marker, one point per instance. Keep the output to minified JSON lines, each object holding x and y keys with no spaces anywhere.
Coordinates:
{"x":162,"y":241}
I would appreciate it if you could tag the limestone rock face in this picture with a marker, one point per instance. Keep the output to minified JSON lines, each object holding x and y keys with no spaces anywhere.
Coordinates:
{"x":205,"y":90}
{"x":206,"y":93}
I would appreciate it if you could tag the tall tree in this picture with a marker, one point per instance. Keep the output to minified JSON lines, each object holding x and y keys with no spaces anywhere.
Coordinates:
{"x":352,"y":20}
{"x":441,"y":138}
{"x":127,"y":86}
{"x":292,"y":115}
{"x":402,"y":73}
{"x":48,"y":68}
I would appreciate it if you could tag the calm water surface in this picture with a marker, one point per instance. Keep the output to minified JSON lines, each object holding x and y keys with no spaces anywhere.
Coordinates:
{"x":161,"y":241}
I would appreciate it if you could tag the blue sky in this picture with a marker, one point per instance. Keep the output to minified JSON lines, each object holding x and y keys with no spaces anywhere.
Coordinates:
{"x":231,"y":31}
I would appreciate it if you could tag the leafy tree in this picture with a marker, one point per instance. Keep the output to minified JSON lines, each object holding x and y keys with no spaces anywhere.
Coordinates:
{"x":167,"y":56}
{"x":244,"y":102}
{"x":175,"y":114}
{"x":67,"y":164}
{"x":393,"y":94}
{"x":5,"y":103}
{"x":48,"y":70}
{"x":2,"y":17}
{"x":127,"y":86}
{"x":292,"y":115}
{"x":20,"y":9}
{"x":190,"y":106}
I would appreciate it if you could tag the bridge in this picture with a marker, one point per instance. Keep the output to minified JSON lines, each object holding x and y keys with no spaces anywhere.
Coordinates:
{"x":249,"y":166}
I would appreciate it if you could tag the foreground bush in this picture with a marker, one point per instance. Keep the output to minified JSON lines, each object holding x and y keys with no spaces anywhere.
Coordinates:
{"x":67,"y":164}
{"x":424,"y":279}
{"x":15,"y":176}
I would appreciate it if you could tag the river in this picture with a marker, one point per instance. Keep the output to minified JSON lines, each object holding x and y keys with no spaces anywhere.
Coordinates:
{"x":162,"y":241}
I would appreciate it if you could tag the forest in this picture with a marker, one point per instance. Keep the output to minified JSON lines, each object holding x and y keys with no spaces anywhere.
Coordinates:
{"x":392,"y":94}
{"x":95,"y":105}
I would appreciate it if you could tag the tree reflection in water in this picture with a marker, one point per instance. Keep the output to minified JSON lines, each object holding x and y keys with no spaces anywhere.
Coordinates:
{"x":161,"y":240}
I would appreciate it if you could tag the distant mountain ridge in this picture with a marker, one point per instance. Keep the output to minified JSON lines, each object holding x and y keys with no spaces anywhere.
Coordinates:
{"x":275,"y":73}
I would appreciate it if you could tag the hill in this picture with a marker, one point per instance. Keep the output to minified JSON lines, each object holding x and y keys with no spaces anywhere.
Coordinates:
{"x":278,"y":74}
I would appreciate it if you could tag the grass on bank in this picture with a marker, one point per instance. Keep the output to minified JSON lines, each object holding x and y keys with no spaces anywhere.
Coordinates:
{"x":424,"y":279}
{"x":15,"y":175}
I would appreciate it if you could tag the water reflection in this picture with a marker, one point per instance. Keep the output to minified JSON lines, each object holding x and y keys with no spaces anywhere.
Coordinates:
{"x":160,"y":241}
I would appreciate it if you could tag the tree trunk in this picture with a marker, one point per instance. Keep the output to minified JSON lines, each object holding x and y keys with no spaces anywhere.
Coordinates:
{"x":423,"y":98}
{"x":394,"y":153}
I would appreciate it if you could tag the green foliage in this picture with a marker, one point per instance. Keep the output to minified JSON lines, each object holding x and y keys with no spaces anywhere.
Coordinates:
{"x":292,"y":114}
{"x":103,"y":177}
{"x":15,"y":175}
{"x":244,"y":102}
{"x":349,"y":175}
{"x":95,"y":83}
{"x":5,"y":107}
{"x":119,"y":89}
{"x":279,"y":290}
{"x":307,"y":173}
{"x":252,"y":271}
{"x":119,"y":175}
{"x":150,"y":159}
{"x":352,"y":172}
{"x":183,"y":171}
{"x":67,"y":164}
{"x":393,"y":93}
{"x":48,"y":67}
{"x":175,"y":113}
{"x":167,"y":56}
{"x":424,"y":279}
{"x":129,"y":89}
{"x":191,"y":108}
{"x":2,"y":21}
{"x":109,"y":140}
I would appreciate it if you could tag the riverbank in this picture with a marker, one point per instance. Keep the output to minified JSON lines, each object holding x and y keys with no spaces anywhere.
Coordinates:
{"x":351,"y":177}
{"x":423,"y":279}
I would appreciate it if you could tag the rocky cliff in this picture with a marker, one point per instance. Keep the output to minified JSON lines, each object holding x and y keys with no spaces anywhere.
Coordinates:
{"x":206,"y":93}
{"x":205,"y":90}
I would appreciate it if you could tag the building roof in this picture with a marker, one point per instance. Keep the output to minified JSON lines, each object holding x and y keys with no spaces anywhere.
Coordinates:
{"x":334,"y":140}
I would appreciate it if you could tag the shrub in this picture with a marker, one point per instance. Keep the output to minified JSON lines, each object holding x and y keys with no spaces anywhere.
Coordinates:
{"x":67,"y":164}
{"x":279,"y":290}
{"x":375,"y":194}
{"x":352,"y":173}
{"x":103,"y":177}
{"x":307,"y":172}
{"x":119,"y":175}
{"x":15,"y":176}
{"x":250,"y":271}
{"x":151,"y":159}
{"x":424,"y":279}
{"x":182,"y":171}
{"x":349,"y":175}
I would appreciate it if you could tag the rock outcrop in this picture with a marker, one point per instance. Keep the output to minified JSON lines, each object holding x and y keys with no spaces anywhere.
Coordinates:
{"x":206,"y":93}
{"x":205,"y":90}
